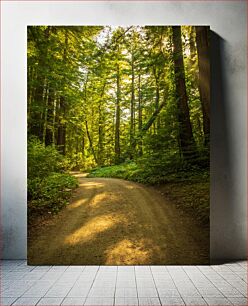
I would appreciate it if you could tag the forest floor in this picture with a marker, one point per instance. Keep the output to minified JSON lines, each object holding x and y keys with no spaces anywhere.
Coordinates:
{"x":116,"y":222}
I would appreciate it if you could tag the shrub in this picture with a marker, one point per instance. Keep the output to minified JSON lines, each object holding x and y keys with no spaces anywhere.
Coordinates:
{"x":51,"y":193}
{"x":49,"y":187}
{"x":43,"y":160}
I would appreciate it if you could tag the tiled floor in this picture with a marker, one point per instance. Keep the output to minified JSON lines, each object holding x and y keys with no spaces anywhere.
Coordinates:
{"x":133,"y":285}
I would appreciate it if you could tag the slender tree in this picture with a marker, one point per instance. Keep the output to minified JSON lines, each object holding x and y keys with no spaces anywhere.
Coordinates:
{"x":117,"y":116}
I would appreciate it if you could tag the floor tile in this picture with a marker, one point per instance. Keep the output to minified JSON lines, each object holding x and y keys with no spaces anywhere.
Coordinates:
{"x":102,"y":292}
{"x":149,"y":301}
{"x":126,"y":292}
{"x":147,"y":292}
{"x":217,"y":301}
{"x":126,"y":269}
{"x":126,"y":283}
{"x":166,"y":301}
{"x":148,"y":283}
{"x":26,"y":301}
{"x":58,"y":291}
{"x":73,"y":301}
{"x":184,"y":292}
{"x":7,"y":300}
{"x":75,"y":269}
{"x":130,"y":285}
{"x":79,"y":291}
{"x":50,"y":301}
{"x":99,"y":301}
{"x":38,"y":290}
{"x":239,"y":301}
{"x":126,"y":301}
{"x":210,"y":292}
{"x":194,"y":301}
{"x":166,"y":292}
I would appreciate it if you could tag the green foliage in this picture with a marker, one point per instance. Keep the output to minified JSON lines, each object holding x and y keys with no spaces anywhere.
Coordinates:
{"x":190,"y":196}
{"x":118,"y":171}
{"x":50,"y":193}
{"x":49,"y":187}
{"x":42,"y":160}
{"x":151,"y":174}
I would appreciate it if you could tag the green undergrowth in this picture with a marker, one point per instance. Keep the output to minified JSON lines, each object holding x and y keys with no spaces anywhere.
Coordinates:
{"x":49,"y":186}
{"x":51,"y":193}
{"x":151,"y":175}
{"x":193,"y":197}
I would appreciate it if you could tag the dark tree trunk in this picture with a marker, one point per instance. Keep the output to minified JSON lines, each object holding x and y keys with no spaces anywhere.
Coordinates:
{"x":48,"y":137}
{"x":185,"y":129}
{"x":36,"y":111}
{"x":157,"y":74}
{"x":62,"y":125}
{"x":100,"y":152}
{"x":83,"y":145}
{"x":157,"y":102}
{"x":153,"y":117}
{"x":132,"y":107}
{"x":91,"y":143}
{"x":202,"y":40}
{"x":117,"y":118}
{"x":140,"y":141}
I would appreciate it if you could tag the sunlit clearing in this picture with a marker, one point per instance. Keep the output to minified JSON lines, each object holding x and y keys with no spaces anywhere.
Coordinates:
{"x":128,"y":252}
{"x":79,"y":175}
{"x":93,"y":227}
{"x":90,"y":185}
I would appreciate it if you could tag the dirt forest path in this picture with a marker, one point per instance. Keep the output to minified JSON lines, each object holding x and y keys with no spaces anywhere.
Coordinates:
{"x":117,"y":222}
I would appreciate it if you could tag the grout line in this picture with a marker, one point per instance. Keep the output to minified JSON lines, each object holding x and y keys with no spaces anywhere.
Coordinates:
{"x":136,"y":284}
{"x":176,"y":286}
{"x":228,"y":282}
{"x":117,"y":271}
{"x":211,"y":282}
{"x":92,"y":284}
{"x":73,"y":283}
{"x":194,"y":283}
{"x":155,"y":286}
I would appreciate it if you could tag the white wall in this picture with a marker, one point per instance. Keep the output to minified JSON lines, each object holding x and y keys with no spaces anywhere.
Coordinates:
{"x":228,"y":115}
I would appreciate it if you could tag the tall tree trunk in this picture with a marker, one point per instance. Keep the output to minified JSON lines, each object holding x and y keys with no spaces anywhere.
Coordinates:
{"x":202,"y":42}
{"x":132,"y":111}
{"x":54,"y":119}
{"x":192,"y":46}
{"x":117,"y":118}
{"x":100,"y":152}
{"x":140,"y":141}
{"x":37,"y":115}
{"x":185,"y":129}
{"x":49,"y":119}
{"x":83,"y":144}
{"x":45,"y":114}
{"x":36,"y":112}
{"x":62,"y":125}
{"x":157,"y":127}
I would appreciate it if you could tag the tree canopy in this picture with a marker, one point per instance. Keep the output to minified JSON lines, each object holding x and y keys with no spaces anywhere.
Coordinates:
{"x":107,"y":95}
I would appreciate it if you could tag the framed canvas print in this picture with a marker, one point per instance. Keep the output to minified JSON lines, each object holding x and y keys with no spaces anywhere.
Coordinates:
{"x":118,"y":145}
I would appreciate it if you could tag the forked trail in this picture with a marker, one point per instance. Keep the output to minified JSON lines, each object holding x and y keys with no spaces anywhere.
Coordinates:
{"x":117,"y":222}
